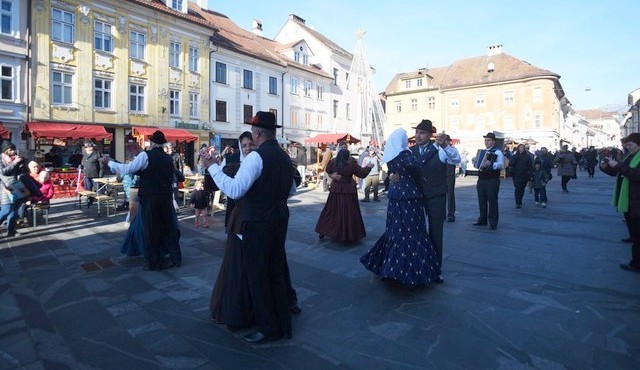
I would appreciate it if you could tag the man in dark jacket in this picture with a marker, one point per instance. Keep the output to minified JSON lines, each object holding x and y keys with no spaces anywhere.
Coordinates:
{"x":90,"y":167}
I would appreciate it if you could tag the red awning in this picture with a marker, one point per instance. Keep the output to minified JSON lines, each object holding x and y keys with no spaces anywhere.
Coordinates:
{"x":171,"y":134}
{"x":4,"y":133}
{"x":51,"y":130}
{"x":332,"y":139}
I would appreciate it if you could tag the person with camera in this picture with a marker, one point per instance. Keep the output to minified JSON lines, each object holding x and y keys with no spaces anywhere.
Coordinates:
{"x":489,"y":163}
{"x":626,"y":196}
{"x":12,"y":165}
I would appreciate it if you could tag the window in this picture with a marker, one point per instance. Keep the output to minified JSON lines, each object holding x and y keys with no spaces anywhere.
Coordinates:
{"x":305,"y":59}
{"x":194,"y":106}
{"x":347,"y":110}
{"x":176,"y":4}
{"x":480,"y":123}
{"x":319,"y":121}
{"x":537,"y":95}
{"x":247,"y":81}
{"x":221,"y":73}
{"x":136,"y":98}
{"x":454,"y":103}
{"x":174,"y":54}
{"x":62,"y":25}
{"x":335,"y":76}
{"x":508,"y":123}
{"x":479,"y":101}
{"x":174,"y":102}
{"x":102,"y":37}
{"x":419,"y":82}
{"x":537,"y":120}
{"x":294,"y":119}
{"x":398,"y":106}
{"x":7,"y":78}
{"x":296,"y":57}
{"x":275,"y":113}
{"x":307,"y":120}
{"x":320,"y":92}
{"x":137,"y":43}
{"x":294,"y":85}
{"x":62,"y":87}
{"x":6,"y":15}
{"x":248,"y":112}
{"x":414,"y":105}
{"x":102,"y":93}
{"x":221,"y":111}
{"x":508,"y":98}
{"x":335,"y":109}
{"x":307,"y":88}
{"x":454,"y":124}
{"x":431,"y":102}
{"x":407,"y":84}
{"x":273,"y":86}
{"x":194,"y":55}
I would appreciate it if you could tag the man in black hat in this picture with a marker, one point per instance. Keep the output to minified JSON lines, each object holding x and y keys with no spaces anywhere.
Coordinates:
{"x":161,"y":233}
{"x":90,"y":167}
{"x":434,"y":156}
{"x":451,"y":185}
{"x":265,"y":181}
{"x":489,"y":163}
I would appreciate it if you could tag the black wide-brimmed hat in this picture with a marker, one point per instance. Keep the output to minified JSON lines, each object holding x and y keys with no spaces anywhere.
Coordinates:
{"x":490,"y":135}
{"x":157,"y":137}
{"x":264,"y":120}
{"x":425,"y":125}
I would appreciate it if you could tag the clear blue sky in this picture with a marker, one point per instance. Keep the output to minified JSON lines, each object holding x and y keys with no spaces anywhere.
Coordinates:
{"x":591,"y":44}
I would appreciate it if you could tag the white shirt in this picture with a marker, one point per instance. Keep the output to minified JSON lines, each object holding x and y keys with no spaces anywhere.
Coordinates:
{"x":139,"y":163}
{"x":497,"y":165}
{"x":249,"y":171}
{"x":448,"y":155}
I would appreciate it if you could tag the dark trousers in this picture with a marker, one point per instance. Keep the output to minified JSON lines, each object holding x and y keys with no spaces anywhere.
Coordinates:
{"x":88,"y":185}
{"x":633,"y":222}
{"x":435,"y":208}
{"x":591,"y":170}
{"x":371,"y":182}
{"x":266,"y":268}
{"x":451,"y":195}
{"x":565,"y":181}
{"x":519,"y":192}
{"x":160,"y":229}
{"x":488,"y":200}
{"x":540,"y":194}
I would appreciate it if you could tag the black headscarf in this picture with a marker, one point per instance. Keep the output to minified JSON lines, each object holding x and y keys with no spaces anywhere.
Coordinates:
{"x":342,"y":158}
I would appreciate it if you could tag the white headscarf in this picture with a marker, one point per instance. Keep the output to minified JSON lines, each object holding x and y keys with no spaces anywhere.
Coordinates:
{"x":396,"y":143}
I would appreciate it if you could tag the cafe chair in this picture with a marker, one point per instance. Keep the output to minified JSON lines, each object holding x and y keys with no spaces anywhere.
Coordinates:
{"x":43,"y":209}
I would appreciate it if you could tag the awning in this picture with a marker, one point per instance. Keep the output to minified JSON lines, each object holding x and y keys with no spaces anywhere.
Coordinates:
{"x":332,"y":139}
{"x":171,"y":134}
{"x":51,"y":130}
{"x":4,"y":133}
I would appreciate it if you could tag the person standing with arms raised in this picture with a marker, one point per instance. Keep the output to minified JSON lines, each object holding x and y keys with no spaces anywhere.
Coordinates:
{"x":265,"y":180}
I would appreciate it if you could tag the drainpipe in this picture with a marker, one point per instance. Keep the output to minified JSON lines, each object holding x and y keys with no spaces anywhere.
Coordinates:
{"x":211,"y":69}
{"x":282,"y":100}
{"x":29,"y":71}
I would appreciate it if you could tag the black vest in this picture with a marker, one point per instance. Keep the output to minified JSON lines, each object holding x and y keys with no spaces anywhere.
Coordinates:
{"x":267,"y":197}
{"x":157,"y":178}
{"x":433,"y":178}
{"x":490,"y":174}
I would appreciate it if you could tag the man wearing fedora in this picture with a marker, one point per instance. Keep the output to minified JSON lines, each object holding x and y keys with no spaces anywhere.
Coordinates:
{"x":489,"y":164}
{"x":90,"y":167}
{"x":434,"y":158}
{"x":161,"y":233}
{"x":265,"y":180}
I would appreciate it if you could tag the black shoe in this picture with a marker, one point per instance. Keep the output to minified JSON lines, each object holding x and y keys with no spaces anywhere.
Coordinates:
{"x":451,"y":219}
{"x":628,"y":267}
{"x":627,"y":240}
{"x":366,"y":200}
{"x":320,"y":236}
{"x":376,"y":199}
{"x":438,"y":280}
{"x":258,"y":337}
{"x":479,"y":223}
{"x":493,"y":227}
{"x":518,"y":205}
{"x":295,"y":309}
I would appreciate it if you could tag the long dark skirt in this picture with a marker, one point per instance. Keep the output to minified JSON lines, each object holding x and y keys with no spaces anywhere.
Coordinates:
{"x":341,"y":219}
{"x":404,"y":252}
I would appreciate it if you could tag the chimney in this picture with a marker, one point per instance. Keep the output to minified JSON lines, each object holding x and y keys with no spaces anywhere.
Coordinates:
{"x":297,"y":19}
{"x":494,"y":50}
{"x":257,"y":27}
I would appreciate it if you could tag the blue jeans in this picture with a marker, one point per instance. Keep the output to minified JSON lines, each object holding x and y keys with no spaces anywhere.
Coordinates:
{"x":9,"y":212}
{"x":88,"y":185}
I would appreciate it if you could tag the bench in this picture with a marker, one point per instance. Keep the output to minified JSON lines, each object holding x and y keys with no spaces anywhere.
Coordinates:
{"x":185,"y":193}
{"x":85,"y":193}
{"x":107,"y":201}
{"x":42,"y":208}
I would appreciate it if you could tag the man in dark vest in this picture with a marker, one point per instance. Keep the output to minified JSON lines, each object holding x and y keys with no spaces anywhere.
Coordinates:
{"x":265,"y":181}
{"x":435,"y":156}
{"x":161,"y":233}
{"x":489,"y":163}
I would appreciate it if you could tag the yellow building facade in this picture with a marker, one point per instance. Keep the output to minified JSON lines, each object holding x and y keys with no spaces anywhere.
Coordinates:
{"x":119,"y":64}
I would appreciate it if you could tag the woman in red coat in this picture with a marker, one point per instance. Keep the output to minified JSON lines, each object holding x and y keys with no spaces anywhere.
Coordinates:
{"x":341,"y":219}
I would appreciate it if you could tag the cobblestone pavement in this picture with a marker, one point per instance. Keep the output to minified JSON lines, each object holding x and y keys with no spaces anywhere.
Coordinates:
{"x":543,"y":291}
